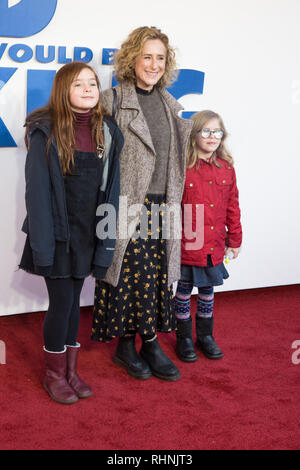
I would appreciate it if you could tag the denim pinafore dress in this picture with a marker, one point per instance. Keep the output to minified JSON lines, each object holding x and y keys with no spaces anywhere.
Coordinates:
{"x":82,"y":189}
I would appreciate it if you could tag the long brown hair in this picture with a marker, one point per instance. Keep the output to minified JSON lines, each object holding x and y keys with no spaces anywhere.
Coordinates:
{"x":199,"y":121}
{"x":62,"y":118}
{"x":126,"y":57}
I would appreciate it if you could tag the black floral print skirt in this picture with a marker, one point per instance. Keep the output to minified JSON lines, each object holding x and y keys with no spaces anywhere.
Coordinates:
{"x":142,"y":302}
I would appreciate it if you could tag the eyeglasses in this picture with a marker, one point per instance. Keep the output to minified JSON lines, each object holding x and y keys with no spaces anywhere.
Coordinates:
{"x":205,"y":133}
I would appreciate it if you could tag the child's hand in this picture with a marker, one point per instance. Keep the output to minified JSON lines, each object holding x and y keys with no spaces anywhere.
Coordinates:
{"x":235,"y":252}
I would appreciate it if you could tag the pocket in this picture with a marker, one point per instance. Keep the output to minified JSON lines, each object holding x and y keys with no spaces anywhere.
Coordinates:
{"x":83,"y":183}
{"x":223,"y":184}
{"x":84,"y":171}
{"x":190,"y":193}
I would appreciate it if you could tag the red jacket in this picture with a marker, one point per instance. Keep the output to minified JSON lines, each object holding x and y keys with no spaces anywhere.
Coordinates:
{"x":210,"y":201}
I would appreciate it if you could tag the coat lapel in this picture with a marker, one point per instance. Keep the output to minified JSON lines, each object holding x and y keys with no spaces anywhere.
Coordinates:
{"x":180,"y":132}
{"x":184,"y":126}
{"x":138,"y":124}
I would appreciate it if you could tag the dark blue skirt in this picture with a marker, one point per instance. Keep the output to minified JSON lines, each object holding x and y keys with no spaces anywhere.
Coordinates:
{"x":204,"y":276}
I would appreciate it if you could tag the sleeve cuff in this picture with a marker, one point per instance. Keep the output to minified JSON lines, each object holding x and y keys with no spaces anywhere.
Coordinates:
{"x":99,"y":272}
{"x":43,"y":270}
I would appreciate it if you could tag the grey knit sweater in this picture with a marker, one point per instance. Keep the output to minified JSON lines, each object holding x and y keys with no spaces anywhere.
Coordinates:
{"x":155,"y":114}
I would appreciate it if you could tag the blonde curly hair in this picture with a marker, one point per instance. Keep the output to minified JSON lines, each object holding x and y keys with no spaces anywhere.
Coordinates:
{"x":125,"y":57}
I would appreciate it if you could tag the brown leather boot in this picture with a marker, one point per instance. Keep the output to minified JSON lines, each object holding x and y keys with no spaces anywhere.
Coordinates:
{"x":81,"y":389}
{"x":55,"y":382}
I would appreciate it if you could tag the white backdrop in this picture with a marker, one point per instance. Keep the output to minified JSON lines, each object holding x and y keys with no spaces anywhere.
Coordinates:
{"x":249,"y":52}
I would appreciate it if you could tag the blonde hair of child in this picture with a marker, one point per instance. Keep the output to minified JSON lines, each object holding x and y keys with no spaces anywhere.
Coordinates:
{"x":193,"y":153}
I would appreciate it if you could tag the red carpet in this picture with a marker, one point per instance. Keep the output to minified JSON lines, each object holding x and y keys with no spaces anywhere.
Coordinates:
{"x":247,"y":400}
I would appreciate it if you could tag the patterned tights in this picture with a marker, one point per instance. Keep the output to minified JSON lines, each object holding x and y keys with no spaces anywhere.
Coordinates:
{"x":205,"y":301}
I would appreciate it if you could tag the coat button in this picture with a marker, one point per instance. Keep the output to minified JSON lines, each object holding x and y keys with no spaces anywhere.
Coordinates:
{"x":210,"y":182}
{"x":224,"y":181}
{"x":211,"y":228}
{"x":211,"y":249}
{"x":191,"y":184}
{"x":211,"y":205}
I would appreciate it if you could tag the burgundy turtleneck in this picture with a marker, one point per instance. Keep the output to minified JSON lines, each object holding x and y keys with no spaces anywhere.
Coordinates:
{"x":83,"y":136}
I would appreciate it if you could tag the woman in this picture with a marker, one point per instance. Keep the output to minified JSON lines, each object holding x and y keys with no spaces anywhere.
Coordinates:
{"x":136,"y":294}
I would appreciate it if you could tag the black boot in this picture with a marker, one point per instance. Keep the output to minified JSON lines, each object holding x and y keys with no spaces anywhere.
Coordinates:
{"x":160,"y":365}
{"x":205,"y":341}
{"x":184,"y":346}
{"x":126,"y":356}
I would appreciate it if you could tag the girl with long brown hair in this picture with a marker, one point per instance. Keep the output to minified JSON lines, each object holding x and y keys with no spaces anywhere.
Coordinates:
{"x":211,"y":196}
{"x":72,"y":166}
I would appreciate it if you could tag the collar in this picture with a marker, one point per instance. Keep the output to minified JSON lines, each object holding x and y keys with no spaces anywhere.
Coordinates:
{"x":130,"y":100}
{"x":141,"y":91}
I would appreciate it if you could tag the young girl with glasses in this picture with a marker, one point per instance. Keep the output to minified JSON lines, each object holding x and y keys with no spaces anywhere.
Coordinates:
{"x":211,"y":230}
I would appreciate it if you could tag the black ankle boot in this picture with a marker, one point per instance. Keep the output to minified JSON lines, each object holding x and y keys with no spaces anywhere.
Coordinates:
{"x":205,"y":341}
{"x":184,"y":346}
{"x":126,"y":356}
{"x":160,"y":365}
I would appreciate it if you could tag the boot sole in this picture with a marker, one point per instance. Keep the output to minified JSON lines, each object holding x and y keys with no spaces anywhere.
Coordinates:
{"x":121,"y":363}
{"x":62,"y":402}
{"x":87,"y":395}
{"x":209,"y":356}
{"x":169,"y":378}
{"x":187,"y":359}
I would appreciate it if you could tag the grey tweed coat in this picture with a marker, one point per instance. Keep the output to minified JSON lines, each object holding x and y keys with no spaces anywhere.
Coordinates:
{"x":137,"y":161}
